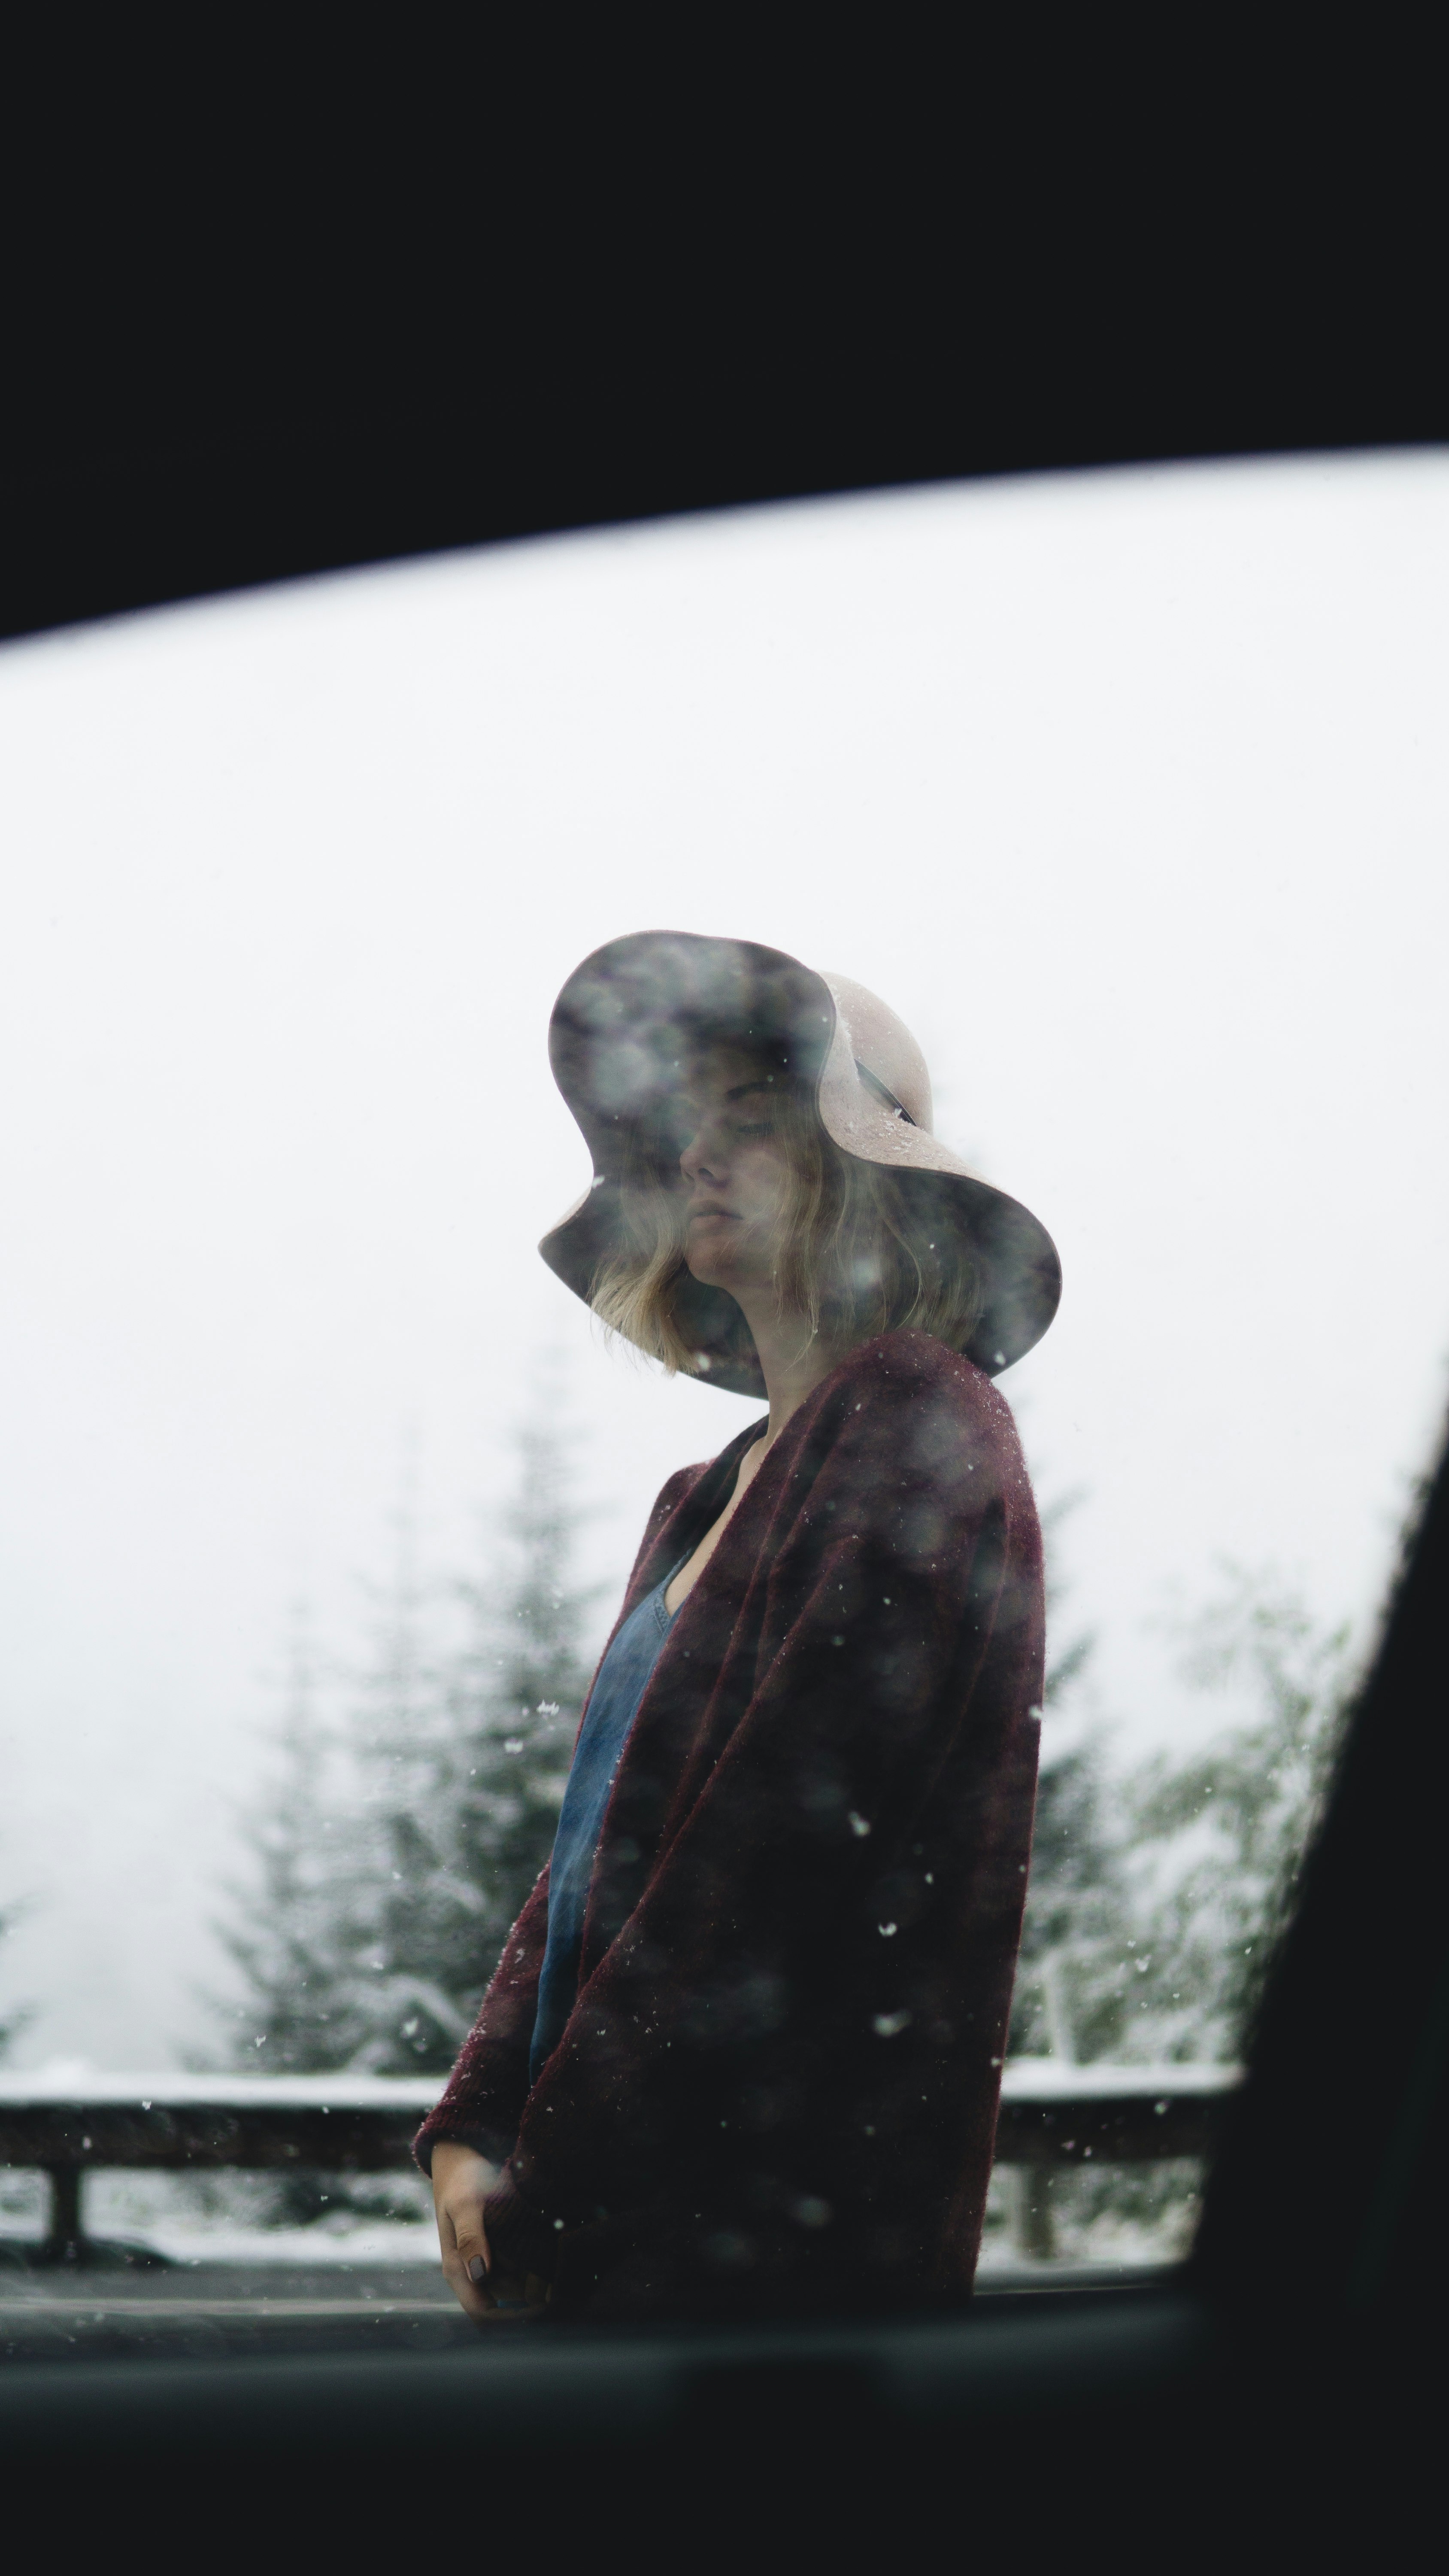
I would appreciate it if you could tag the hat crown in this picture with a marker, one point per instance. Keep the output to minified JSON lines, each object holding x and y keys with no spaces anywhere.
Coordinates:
{"x":884,"y":1045}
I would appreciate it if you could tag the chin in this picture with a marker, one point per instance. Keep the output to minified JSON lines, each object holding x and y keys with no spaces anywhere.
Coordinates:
{"x":710,"y":1274}
{"x":712,"y":1265}
{"x":725,"y":1257}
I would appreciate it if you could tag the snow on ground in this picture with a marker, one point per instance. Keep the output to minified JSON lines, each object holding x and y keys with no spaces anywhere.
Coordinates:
{"x":74,"y":2079}
{"x":330,"y":2241}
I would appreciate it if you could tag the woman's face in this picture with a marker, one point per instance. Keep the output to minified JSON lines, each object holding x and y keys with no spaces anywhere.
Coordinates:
{"x":736,"y":1167}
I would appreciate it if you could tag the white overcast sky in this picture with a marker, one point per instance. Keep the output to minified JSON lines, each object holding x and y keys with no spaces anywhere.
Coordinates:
{"x":1128,"y":791}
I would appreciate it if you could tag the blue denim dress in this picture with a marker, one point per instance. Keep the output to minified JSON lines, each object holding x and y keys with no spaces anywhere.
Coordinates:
{"x":613,"y":1705}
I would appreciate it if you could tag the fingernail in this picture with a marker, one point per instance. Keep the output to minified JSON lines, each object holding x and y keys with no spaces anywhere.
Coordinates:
{"x":475,"y":2268}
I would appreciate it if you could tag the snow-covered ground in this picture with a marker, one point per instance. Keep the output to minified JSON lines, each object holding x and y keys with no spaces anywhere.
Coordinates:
{"x":330,"y":2241}
{"x":74,"y":2079}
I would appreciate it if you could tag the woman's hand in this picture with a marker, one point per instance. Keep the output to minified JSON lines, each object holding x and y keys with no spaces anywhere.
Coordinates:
{"x":462,"y":2180}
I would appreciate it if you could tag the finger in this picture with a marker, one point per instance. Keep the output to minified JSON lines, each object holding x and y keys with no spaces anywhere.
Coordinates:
{"x":469,"y":2266}
{"x":475,"y":2299}
{"x":473,"y":2250}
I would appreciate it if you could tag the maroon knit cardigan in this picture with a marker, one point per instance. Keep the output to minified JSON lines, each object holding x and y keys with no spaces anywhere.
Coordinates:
{"x":777,"y":2092}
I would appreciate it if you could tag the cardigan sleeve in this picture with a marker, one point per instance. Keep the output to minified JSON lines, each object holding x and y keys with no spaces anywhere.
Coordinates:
{"x":886,"y":1565}
{"x":485,"y":2094}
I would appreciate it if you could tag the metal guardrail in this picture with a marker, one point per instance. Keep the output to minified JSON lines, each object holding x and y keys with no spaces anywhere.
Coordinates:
{"x":69,"y":2125}
{"x":1054,"y":2114}
{"x":72,"y":2125}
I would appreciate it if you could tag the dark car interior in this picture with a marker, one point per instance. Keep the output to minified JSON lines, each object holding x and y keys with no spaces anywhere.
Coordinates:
{"x":279,"y":314}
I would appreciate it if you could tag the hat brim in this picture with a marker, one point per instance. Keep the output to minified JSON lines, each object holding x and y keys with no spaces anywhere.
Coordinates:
{"x":622,"y":1031}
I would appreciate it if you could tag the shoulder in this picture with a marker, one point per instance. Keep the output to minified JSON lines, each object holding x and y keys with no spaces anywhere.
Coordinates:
{"x":896,"y":1370}
{"x":911,"y":1395}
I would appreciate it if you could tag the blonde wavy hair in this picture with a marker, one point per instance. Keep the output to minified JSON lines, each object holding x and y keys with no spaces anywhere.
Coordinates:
{"x":855,"y":1253}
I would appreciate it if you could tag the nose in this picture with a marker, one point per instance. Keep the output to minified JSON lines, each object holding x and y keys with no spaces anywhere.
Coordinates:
{"x":702,"y":1160}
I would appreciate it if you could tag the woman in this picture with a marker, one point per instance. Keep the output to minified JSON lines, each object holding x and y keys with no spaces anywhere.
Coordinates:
{"x":742,"y":2051}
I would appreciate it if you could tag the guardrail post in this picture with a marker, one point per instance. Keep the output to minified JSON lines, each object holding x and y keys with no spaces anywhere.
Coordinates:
{"x":1030,"y":2216}
{"x":65,"y":2242}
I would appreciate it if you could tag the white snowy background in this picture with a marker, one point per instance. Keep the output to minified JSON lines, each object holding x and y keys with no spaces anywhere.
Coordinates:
{"x":1128,"y":791}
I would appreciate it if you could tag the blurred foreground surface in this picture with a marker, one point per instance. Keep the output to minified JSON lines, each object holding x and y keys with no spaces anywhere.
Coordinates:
{"x":222,"y":2311}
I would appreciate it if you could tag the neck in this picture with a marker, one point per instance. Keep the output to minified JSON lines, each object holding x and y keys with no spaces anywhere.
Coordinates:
{"x":792,"y":1363}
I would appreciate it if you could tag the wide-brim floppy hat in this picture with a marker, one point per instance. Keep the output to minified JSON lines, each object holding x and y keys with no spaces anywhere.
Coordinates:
{"x":623,"y":1032}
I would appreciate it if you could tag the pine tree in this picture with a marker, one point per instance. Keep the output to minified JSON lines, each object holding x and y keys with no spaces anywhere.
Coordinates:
{"x":1068,"y":1985}
{"x":1151,"y":1920}
{"x":18,"y":2015}
{"x":1153,"y":1907}
{"x":1220,"y":1838}
{"x":297,"y":2014}
{"x":467,"y":1774}
{"x":400,"y":1750}
{"x":393,"y":1854}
